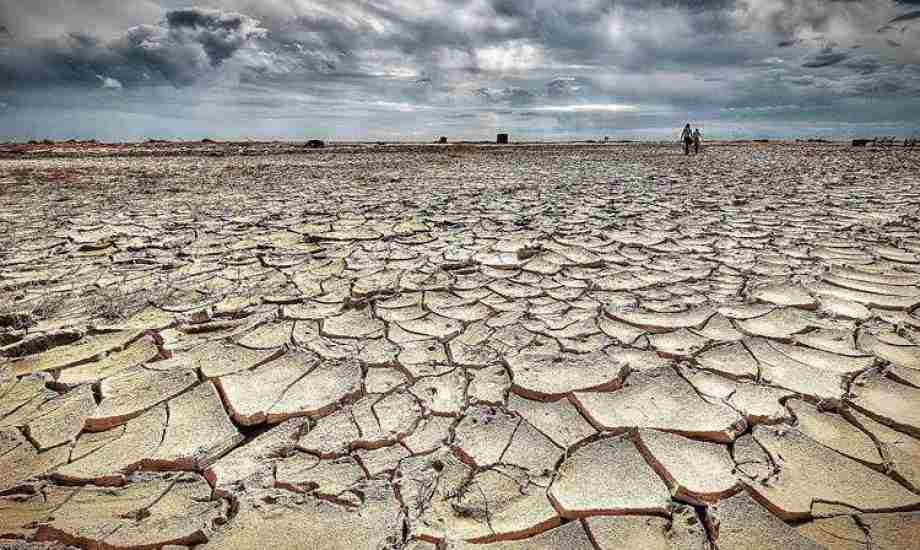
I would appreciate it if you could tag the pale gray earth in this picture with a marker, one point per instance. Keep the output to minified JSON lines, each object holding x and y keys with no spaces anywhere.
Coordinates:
{"x":535,"y":347}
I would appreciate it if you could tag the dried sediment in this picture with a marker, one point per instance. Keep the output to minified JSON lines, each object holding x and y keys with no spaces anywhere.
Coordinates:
{"x":630,"y":353}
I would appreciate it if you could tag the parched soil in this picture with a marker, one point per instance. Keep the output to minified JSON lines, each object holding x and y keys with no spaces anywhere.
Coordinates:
{"x":428,"y":347}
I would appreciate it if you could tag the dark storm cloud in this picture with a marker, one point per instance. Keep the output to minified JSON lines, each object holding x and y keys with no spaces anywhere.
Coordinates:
{"x":910,"y":16}
{"x":511,"y":8}
{"x":490,"y":55}
{"x":447,"y":34}
{"x":865,"y":65}
{"x":786,"y":17}
{"x":220,"y":34}
{"x":178,"y":50}
{"x":431,"y":39}
{"x":824,"y":58}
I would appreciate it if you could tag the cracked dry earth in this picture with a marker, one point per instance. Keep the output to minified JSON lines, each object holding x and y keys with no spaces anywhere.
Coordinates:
{"x":532,"y":347}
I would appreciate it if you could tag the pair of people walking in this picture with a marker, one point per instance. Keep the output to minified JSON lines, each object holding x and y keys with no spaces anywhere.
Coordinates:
{"x":691,"y":138}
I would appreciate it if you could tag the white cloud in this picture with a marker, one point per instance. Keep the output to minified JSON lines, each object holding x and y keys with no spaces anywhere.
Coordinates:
{"x":109,"y":83}
{"x":512,"y":56}
{"x":599,"y":108}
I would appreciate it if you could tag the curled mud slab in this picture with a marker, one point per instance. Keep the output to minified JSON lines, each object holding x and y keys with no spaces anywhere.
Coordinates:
{"x":420,"y":348}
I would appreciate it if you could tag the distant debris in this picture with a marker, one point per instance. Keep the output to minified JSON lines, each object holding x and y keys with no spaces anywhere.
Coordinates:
{"x":761,"y":140}
{"x":315,"y":144}
{"x":442,"y":139}
{"x":501,"y":139}
{"x":886,"y":141}
{"x":208,"y":140}
{"x":73,"y":141}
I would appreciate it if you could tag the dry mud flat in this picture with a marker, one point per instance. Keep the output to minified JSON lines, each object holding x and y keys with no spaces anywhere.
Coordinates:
{"x":426,"y":347}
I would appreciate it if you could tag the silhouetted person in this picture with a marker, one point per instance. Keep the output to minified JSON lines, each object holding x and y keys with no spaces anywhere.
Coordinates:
{"x":687,"y":137}
{"x":697,"y":138}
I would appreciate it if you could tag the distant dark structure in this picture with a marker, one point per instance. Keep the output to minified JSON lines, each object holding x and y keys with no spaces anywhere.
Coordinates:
{"x":442,"y":139}
{"x":884,"y":141}
{"x":502,"y":139}
{"x":315,"y":144}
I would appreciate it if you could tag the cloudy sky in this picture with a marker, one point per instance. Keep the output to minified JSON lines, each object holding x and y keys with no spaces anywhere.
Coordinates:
{"x":417,"y":69}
